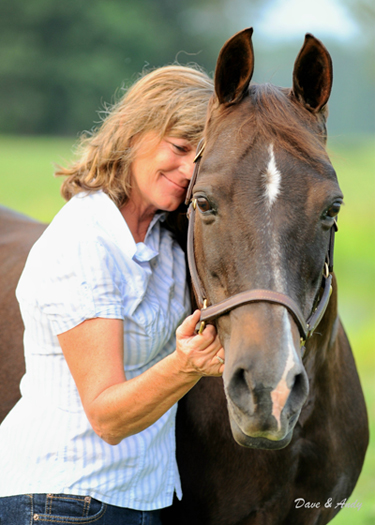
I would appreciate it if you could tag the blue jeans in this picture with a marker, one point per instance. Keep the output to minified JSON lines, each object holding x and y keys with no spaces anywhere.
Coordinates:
{"x":30,"y":509}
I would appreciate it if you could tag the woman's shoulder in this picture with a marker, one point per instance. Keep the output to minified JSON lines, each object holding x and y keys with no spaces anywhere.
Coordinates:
{"x":74,"y":253}
{"x":88,"y":231}
{"x":85,"y":218}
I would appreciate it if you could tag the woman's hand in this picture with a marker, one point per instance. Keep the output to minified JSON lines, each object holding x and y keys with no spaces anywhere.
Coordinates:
{"x":199,"y":354}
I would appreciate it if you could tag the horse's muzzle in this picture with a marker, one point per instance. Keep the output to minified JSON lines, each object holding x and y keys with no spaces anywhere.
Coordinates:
{"x":265,"y":382}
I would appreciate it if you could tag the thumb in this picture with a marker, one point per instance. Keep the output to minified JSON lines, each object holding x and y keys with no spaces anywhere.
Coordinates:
{"x":187,"y":329}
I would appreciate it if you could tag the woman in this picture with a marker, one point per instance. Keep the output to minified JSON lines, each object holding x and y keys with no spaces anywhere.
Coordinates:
{"x":92,"y":439}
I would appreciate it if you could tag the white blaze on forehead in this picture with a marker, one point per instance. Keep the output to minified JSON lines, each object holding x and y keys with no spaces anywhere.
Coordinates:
{"x":272,"y":181}
{"x":273,"y":178}
{"x":280,"y":394}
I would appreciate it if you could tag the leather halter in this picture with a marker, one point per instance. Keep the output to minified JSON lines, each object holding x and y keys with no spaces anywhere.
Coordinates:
{"x":209,"y":313}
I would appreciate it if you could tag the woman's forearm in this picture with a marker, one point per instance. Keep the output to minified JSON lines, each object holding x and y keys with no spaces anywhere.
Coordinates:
{"x":131,"y":406}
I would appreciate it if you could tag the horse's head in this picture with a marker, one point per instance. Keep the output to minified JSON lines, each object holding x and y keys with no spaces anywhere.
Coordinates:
{"x":266,"y":197}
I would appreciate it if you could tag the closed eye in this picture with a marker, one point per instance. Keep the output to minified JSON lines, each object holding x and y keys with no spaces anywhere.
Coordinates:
{"x":180,"y":146}
{"x":181,"y":149}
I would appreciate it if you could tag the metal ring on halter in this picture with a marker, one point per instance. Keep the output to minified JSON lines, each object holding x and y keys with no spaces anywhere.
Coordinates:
{"x":326,"y":270}
{"x":203,"y":324}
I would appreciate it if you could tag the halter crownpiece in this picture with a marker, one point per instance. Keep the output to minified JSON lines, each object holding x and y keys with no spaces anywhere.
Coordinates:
{"x":210,"y":313}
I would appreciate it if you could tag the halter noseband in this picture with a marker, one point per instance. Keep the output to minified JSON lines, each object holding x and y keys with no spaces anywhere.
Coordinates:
{"x":209,"y":313}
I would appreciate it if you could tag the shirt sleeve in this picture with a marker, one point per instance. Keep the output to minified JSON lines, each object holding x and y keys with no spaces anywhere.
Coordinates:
{"x":86,"y":284}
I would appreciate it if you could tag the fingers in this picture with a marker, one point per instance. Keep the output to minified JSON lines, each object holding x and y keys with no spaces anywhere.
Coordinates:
{"x":199,"y":353}
{"x":218,"y":361}
{"x":220,"y":356}
{"x":187,"y":328}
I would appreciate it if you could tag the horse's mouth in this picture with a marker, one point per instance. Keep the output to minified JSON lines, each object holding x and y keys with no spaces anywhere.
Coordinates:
{"x":258,"y":442}
{"x":248,"y":432}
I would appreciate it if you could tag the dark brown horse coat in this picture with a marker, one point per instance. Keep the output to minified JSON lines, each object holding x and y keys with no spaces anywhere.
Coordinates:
{"x":17,"y":235}
{"x":317,"y":415}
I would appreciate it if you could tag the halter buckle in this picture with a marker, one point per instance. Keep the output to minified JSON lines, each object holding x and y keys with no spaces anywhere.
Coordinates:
{"x":203,"y":323}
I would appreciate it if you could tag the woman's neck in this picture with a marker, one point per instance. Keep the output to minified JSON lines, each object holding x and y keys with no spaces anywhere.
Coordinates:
{"x":137,"y":219}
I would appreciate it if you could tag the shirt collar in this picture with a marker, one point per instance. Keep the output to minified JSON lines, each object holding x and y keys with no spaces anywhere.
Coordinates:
{"x":149,"y":249}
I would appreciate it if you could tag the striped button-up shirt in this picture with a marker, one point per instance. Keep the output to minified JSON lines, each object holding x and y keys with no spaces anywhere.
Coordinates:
{"x":88,"y":265}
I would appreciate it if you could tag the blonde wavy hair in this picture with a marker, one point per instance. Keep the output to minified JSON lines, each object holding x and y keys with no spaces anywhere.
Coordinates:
{"x":171,"y":100}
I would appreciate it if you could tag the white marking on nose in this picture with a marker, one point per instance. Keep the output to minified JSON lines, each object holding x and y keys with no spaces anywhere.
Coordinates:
{"x":273,"y":178}
{"x":281,"y":393}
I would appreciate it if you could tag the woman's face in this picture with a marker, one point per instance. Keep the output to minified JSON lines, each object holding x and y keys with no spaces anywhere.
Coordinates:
{"x":160,"y":172}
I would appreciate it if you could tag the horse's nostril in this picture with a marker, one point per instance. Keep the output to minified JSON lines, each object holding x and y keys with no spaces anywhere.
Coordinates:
{"x":240,"y":391}
{"x":299,"y":391}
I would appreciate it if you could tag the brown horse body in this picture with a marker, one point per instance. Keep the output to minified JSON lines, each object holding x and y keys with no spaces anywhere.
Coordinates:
{"x":17,"y":235}
{"x":266,"y":197}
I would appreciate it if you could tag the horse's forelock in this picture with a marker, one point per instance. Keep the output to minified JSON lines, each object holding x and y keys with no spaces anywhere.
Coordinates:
{"x":273,"y":115}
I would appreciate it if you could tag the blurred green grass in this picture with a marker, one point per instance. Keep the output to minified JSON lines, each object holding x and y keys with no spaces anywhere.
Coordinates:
{"x":27,"y":165}
{"x":27,"y":185}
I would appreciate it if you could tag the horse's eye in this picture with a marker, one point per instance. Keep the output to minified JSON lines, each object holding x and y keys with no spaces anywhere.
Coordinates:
{"x":203,"y":204}
{"x":334,"y":209}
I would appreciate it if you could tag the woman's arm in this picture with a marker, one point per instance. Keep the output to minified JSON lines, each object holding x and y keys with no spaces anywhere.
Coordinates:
{"x":117,"y":408}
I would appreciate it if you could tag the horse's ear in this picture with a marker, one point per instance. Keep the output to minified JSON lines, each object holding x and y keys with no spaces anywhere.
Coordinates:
{"x":234,"y":68}
{"x":312,"y":75}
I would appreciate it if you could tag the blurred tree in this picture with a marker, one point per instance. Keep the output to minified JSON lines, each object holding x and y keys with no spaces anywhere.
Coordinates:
{"x":364,"y":12}
{"x":59,"y":60}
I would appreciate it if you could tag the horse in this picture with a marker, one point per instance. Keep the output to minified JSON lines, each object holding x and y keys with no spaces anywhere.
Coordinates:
{"x":282,"y":437}
{"x":18,"y":233}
